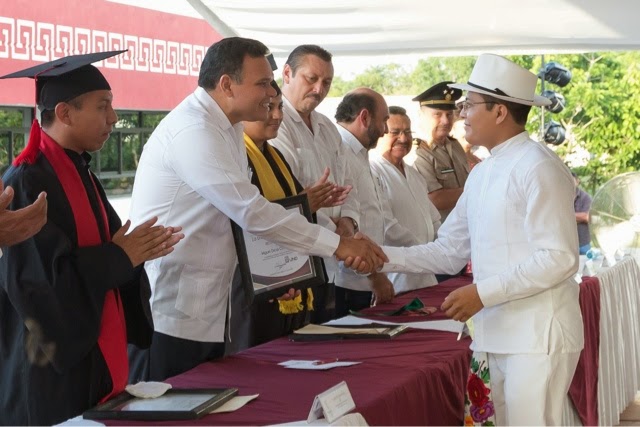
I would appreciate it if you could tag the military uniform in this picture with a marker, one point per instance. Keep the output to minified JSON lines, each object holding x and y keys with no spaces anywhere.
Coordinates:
{"x":442,"y":166}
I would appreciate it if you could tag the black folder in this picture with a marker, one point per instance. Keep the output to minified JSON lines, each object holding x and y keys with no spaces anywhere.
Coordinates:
{"x":375,"y":331}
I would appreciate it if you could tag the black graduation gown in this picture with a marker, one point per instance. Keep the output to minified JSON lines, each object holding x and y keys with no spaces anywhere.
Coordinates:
{"x":51,"y":368}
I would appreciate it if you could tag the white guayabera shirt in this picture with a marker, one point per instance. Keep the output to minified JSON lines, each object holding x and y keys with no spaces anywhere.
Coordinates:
{"x":410,"y":205}
{"x":516,"y":221}
{"x":309,"y":153}
{"x":194,"y":173}
{"x":376,"y":219}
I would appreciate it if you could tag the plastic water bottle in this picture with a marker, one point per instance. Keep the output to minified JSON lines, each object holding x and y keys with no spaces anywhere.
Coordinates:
{"x":593,"y":254}
{"x":594,"y":260}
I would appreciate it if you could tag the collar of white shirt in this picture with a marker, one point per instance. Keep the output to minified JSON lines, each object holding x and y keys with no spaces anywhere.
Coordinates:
{"x":289,"y":108}
{"x":352,"y":142}
{"x":212,"y":107}
{"x":514,"y":140}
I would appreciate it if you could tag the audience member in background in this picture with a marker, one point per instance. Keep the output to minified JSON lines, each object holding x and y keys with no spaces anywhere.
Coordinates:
{"x":405,"y":190}
{"x":362,"y":119}
{"x":307,"y":139}
{"x":310,"y":143}
{"x":263,"y":321}
{"x":582,"y":204}
{"x":440,"y":159}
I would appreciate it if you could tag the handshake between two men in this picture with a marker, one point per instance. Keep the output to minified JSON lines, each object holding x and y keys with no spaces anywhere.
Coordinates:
{"x":364,"y":256}
{"x":360,"y":254}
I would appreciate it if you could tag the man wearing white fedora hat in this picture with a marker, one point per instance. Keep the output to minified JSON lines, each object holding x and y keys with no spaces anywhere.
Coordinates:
{"x":515,"y":220}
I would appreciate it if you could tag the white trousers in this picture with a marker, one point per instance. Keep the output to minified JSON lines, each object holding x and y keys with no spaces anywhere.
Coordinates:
{"x":530,"y":389}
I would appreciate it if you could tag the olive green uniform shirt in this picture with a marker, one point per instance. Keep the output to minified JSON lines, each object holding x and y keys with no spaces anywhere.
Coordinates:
{"x":442,"y":166}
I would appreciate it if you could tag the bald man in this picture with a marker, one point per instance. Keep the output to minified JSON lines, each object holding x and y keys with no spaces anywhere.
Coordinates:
{"x":362,"y":119}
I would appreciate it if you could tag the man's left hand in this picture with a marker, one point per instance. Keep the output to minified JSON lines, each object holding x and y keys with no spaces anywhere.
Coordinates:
{"x":462,"y":303}
{"x":382,"y":289}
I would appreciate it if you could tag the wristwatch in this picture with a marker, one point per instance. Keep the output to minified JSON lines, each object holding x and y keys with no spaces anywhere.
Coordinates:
{"x":355,"y":224}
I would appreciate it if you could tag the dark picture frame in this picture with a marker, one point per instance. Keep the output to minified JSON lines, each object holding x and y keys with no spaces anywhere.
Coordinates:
{"x":175,"y":404}
{"x":285,"y":269}
{"x":371,"y":331}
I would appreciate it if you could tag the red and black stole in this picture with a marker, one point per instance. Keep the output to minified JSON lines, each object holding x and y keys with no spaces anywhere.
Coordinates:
{"x":113,"y":335}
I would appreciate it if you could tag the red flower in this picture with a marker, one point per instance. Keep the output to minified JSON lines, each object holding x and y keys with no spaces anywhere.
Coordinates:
{"x":477,"y":391}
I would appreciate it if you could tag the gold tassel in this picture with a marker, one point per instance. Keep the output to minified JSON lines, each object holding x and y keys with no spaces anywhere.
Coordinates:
{"x":309,"y":299}
{"x":291,"y":306}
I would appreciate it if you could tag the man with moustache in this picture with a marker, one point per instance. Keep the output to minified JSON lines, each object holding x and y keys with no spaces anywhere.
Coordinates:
{"x":309,"y":140}
{"x":194,"y":170}
{"x":362,"y":119}
{"x":310,"y":143}
{"x":405,"y":191}
{"x":440,"y":159}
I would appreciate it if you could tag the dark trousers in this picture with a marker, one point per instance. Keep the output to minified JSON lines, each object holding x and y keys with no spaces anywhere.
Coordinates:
{"x":169,"y":356}
{"x":348,"y":299}
{"x":324,"y":303}
{"x":442,"y":277}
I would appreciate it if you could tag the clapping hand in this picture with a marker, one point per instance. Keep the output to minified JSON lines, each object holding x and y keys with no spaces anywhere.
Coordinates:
{"x":325,"y":194}
{"x":147,"y":241}
{"x":17,"y":226}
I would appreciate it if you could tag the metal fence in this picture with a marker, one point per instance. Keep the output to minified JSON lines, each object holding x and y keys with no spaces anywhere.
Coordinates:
{"x":115,"y":164}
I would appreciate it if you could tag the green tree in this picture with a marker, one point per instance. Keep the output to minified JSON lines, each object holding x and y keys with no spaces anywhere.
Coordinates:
{"x":434,"y":70}
{"x":340,"y":86}
{"x":602,"y":115}
{"x":11,"y":132}
{"x":389,"y":79}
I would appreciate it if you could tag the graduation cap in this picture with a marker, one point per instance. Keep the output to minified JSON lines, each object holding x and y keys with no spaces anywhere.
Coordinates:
{"x":439,"y":96}
{"x":60,"y":81}
{"x":66,"y":78}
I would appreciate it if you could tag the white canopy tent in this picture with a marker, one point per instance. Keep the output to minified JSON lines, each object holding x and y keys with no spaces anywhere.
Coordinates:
{"x":366,"y":27}
{"x":398,"y":27}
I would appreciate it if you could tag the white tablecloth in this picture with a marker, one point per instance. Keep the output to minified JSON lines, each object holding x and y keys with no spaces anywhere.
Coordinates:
{"x":619,"y":359}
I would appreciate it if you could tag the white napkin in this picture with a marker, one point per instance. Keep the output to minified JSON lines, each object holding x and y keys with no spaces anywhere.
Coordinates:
{"x":147,"y":390}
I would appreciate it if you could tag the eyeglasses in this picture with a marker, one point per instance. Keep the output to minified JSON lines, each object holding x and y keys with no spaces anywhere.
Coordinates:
{"x":396,"y":133}
{"x":466,"y":105}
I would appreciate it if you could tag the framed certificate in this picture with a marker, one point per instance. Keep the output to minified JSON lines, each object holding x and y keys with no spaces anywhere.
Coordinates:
{"x":268,"y":270}
{"x":175,"y":404}
{"x":369,"y":331}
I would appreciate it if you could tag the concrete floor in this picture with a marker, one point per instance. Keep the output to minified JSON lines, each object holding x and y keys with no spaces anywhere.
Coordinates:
{"x":631,"y":415}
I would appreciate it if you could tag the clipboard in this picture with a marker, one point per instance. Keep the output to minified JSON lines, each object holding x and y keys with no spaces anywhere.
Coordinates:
{"x":372,"y":331}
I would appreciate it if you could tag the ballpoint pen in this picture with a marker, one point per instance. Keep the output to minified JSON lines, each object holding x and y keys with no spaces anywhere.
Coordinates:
{"x":325,"y":361}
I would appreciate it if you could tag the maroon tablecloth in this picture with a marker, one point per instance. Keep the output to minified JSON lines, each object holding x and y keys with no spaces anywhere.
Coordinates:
{"x":417,"y":378}
{"x":584,"y":387}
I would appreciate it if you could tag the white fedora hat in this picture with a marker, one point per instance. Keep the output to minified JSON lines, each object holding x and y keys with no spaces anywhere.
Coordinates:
{"x":497,"y":76}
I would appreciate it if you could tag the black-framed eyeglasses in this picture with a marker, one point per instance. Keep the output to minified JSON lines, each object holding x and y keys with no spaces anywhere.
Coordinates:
{"x":466,"y":105}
